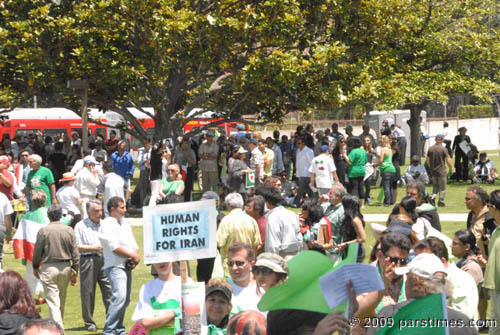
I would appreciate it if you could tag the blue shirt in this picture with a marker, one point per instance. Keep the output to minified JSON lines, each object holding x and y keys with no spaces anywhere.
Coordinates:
{"x":123,"y":165}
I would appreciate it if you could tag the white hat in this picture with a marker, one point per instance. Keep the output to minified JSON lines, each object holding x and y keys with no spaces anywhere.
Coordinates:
{"x":89,"y":159}
{"x":424,"y":265}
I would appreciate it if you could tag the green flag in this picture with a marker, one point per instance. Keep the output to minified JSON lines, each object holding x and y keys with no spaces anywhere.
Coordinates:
{"x":425,"y":316}
{"x":250,"y":179}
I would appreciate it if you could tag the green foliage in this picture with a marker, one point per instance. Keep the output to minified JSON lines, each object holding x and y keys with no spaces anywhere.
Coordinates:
{"x":475,"y":112}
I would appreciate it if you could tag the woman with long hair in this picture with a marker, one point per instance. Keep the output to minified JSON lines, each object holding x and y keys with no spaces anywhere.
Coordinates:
{"x":371,"y":157}
{"x":173,"y":184}
{"x":356,"y":160}
{"x":421,"y":226}
{"x":16,"y":303}
{"x":352,"y":228}
{"x":465,"y":249}
{"x":387,"y":169}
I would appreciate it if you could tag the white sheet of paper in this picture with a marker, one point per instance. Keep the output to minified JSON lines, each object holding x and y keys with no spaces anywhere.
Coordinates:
{"x":364,"y":277}
{"x":464,"y":146}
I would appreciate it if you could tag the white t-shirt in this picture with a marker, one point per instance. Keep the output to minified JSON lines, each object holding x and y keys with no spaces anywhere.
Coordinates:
{"x":5,"y":208}
{"x":244,"y":298}
{"x":323,"y":167}
{"x":111,"y":185}
{"x":112,"y":236}
{"x":421,"y":227}
{"x":68,"y":198}
{"x":86,"y":183}
{"x":166,"y":293}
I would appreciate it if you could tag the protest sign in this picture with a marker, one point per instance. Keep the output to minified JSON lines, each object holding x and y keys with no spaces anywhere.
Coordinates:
{"x":181,"y":231}
{"x":250,"y":179}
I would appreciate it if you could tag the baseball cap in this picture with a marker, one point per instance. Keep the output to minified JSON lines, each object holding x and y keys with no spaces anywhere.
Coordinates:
{"x":89,"y":159}
{"x":217,"y":288}
{"x":424,"y":265}
{"x":439,"y":137}
{"x":272,"y":261}
{"x":242,"y":151}
{"x":324,"y":148}
{"x":254,"y":141}
{"x":349,"y":127}
{"x":208,"y":195}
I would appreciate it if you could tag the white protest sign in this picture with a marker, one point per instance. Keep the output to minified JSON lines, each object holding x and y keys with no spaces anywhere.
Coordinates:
{"x":181,"y":231}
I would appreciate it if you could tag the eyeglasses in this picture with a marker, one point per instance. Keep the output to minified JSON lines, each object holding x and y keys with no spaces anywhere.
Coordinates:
{"x":262,"y":270}
{"x":397,"y":260}
{"x":238,"y":263}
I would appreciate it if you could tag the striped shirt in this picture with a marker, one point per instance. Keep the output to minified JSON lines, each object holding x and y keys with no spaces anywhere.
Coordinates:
{"x":86,"y":233}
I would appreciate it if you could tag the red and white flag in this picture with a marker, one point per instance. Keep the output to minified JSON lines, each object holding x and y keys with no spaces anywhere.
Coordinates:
{"x":25,"y":236}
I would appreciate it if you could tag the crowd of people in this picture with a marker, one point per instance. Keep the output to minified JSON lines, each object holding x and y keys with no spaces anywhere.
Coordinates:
{"x":76,"y":202}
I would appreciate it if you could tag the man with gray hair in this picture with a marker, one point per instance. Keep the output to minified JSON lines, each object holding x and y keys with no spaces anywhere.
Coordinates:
{"x":91,"y":263}
{"x":41,"y":178}
{"x":40,"y":326}
{"x":56,"y":249}
{"x":237,"y":226}
{"x":334,"y":214}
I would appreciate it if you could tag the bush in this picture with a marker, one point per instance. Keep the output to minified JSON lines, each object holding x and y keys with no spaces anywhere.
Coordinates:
{"x":475,"y":111}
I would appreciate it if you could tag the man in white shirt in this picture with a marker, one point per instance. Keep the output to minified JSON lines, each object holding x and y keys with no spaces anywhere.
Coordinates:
{"x":323,"y":171}
{"x":112,"y":185}
{"x":303,"y":161}
{"x":256,"y":160}
{"x":87,"y":180}
{"x":240,"y":261}
{"x":69,"y":198}
{"x":121,"y":255}
{"x":283,"y":235}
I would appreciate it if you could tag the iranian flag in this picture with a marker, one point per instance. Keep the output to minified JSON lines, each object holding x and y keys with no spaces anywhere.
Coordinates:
{"x":250,"y":179}
{"x":25,"y":237}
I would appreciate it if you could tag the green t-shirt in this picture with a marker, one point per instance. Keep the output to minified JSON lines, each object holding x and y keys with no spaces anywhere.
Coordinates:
{"x":492,"y":275}
{"x":358,"y":160}
{"x":170,"y":186}
{"x":41,"y":179}
{"x":387,"y":165}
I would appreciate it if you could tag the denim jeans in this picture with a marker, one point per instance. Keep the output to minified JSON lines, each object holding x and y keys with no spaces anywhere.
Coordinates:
{"x":121,"y":285}
{"x":387,"y":180}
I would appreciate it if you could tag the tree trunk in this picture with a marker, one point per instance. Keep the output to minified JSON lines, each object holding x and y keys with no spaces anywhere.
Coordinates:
{"x":414,"y":123}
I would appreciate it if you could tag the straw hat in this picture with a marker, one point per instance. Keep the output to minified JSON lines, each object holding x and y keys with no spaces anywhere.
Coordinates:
{"x":67,"y":176}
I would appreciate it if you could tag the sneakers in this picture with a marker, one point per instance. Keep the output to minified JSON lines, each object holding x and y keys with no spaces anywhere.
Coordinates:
{"x":92,"y":328}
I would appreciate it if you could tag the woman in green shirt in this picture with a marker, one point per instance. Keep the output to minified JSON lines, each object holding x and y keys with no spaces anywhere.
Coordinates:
{"x":173,"y":184}
{"x":218,"y":294}
{"x":387,"y":170}
{"x":356,"y":160}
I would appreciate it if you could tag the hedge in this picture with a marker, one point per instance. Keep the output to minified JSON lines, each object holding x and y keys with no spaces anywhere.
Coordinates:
{"x":476,"y":111}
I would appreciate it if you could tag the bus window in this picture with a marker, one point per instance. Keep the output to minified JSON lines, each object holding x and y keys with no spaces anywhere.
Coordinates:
{"x":55,"y":132}
{"x":24,"y":132}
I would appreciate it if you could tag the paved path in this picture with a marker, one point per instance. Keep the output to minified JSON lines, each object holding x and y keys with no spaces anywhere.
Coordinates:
{"x":455,"y":217}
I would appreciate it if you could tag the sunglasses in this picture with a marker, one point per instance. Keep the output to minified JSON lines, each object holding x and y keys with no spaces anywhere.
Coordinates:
{"x":238,"y":263}
{"x":397,"y":260}
{"x":261,"y":270}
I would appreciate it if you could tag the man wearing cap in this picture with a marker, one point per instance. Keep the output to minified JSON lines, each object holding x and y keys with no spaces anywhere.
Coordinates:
{"x":86,"y":182}
{"x":91,"y":263}
{"x":322,"y":171}
{"x":437,"y":156}
{"x":278,"y":156}
{"x":41,"y":178}
{"x":461,"y":147}
{"x":237,"y":226}
{"x":256,"y":160}
{"x":123,"y":163}
{"x":208,"y":153}
{"x":69,"y":198}
{"x":464,"y":296}
{"x":425,"y":275}
{"x":416,"y":171}
{"x":6,"y":178}
{"x":303,"y":160}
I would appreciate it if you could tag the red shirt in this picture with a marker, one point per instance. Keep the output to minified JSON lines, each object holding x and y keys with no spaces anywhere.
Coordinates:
{"x":8,"y":191}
